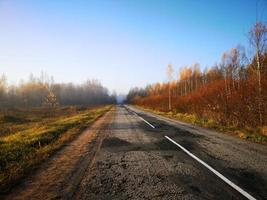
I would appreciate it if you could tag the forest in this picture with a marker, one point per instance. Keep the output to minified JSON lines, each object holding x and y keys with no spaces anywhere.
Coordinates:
{"x":232,"y":92}
{"x":39,"y":116}
{"x":44,"y":92}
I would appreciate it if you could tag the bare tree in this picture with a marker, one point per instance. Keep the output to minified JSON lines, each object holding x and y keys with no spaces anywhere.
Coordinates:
{"x":170,"y":72}
{"x":258,"y":39}
{"x":3,"y":86}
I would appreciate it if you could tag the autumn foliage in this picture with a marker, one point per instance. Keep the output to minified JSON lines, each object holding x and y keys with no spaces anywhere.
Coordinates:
{"x":227,"y":92}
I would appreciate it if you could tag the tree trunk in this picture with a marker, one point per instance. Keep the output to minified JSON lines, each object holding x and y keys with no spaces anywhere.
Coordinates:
{"x":170,"y":97}
{"x":259,"y":84}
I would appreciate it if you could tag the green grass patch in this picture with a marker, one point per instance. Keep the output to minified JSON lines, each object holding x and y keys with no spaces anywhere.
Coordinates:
{"x":22,"y":151}
{"x":258,"y":135}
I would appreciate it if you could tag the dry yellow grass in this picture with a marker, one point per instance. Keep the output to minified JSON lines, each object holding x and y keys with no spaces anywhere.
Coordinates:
{"x":258,"y":135}
{"x":23,"y":150}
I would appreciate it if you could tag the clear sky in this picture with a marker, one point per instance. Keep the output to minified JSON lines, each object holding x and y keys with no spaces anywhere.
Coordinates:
{"x":122,"y":43}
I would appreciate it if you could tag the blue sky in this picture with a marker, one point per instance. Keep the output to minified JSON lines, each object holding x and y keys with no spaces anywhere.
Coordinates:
{"x":122,"y":43}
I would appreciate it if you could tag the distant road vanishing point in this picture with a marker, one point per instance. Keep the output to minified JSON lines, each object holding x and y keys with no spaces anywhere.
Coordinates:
{"x":132,"y":154}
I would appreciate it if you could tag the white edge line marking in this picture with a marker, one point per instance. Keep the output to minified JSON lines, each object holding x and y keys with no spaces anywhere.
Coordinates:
{"x":143,"y":119}
{"x":146,"y":122}
{"x":240,"y":190}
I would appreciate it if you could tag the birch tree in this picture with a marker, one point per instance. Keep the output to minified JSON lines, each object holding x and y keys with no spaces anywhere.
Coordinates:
{"x":258,"y":39}
{"x":170,"y":72}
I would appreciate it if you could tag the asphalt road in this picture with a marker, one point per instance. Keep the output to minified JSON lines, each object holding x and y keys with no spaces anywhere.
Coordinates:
{"x":136,"y":161}
{"x":129,"y":159}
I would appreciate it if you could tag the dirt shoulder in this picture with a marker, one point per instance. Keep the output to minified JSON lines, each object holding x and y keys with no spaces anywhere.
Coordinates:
{"x":59,"y":177}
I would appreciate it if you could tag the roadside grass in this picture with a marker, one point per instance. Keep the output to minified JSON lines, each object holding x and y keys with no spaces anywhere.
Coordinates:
{"x":22,"y":151}
{"x":17,"y":119}
{"x":257,"y":135}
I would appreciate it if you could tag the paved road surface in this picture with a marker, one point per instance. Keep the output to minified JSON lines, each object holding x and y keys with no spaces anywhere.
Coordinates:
{"x":128,"y":159}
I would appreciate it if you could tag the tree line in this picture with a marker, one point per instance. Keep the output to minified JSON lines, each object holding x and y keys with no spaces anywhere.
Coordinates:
{"x":43,"y":91}
{"x":232,"y":92}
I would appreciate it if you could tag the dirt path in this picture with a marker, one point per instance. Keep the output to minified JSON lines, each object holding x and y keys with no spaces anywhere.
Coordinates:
{"x":59,"y":177}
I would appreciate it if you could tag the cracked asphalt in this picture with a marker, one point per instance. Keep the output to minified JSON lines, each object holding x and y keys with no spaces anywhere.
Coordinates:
{"x":131,"y":160}
{"x":136,"y":162}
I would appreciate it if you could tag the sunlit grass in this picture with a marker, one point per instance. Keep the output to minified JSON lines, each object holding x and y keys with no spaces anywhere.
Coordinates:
{"x":258,"y":134}
{"x":22,"y":150}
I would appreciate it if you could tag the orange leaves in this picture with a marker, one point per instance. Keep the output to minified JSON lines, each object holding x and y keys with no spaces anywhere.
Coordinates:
{"x":51,"y":100}
{"x":230,"y":92}
{"x":228,"y":98}
{"x":210,"y":101}
{"x":185,"y":73}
